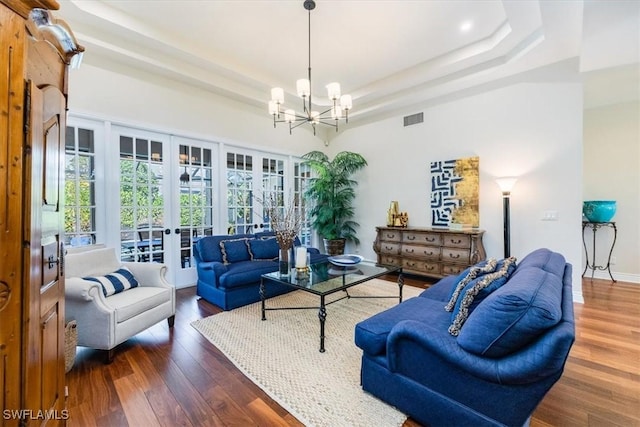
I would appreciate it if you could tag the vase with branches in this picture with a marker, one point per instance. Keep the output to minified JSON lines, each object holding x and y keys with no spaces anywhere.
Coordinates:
{"x":285,"y":222}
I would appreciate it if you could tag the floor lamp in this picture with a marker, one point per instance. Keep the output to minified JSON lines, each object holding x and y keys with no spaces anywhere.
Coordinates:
{"x":506,"y":184}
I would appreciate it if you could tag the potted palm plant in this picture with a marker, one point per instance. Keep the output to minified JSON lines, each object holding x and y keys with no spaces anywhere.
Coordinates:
{"x":331,"y":193}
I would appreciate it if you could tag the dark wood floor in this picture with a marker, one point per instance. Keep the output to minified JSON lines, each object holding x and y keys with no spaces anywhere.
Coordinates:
{"x":176,"y":377}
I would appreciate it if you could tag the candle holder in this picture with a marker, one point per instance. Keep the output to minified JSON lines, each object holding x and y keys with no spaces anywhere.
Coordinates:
{"x":302,"y":272}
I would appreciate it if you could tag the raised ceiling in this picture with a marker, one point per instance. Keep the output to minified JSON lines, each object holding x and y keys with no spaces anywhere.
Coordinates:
{"x":389,"y":55}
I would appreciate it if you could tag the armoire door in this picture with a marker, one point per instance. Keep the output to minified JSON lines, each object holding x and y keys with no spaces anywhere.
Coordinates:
{"x":44,"y":376}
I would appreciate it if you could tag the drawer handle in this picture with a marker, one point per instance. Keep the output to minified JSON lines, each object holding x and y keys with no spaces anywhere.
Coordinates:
{"x":428,"y":253}
{"x":388,"y":247}
{"x":431,"y":267}
{"x":409,"y":251}
{"x":454,"y":257}
{"x":411,"y":237}
{"x":430,"y":239}
{"x":390,"y":236}
{"x":411,"y":264}
{"x":456,"y":242}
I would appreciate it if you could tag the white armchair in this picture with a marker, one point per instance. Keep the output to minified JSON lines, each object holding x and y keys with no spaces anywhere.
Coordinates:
{"x":106,"y":321}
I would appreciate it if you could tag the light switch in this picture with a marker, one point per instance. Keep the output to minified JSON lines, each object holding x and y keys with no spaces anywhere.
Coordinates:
{"x":550,"y":215}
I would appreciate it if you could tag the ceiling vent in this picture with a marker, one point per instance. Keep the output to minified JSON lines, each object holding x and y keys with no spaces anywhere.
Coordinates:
{"x":413,"y":119}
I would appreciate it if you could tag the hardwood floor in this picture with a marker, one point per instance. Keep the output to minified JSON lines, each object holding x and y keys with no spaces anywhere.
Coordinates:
{"x":176,"y":377}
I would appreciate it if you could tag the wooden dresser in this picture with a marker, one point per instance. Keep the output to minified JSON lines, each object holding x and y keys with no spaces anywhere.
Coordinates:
{"x":433,"y":252}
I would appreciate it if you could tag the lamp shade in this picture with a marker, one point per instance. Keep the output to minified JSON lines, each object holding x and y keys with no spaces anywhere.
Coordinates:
{"x":277,"y":95}
{"x":273,"y":108}
{"x":289,"y":116}
{"x":303,"y":87}
{"x":345,"y":102}
{"x":506,"y":184}
{"x":333,"y":91}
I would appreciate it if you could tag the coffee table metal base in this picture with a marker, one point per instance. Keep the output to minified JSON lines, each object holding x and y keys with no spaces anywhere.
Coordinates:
{"x":322,"y":310}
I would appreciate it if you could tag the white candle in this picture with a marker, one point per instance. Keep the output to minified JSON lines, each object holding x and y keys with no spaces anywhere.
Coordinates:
{"x":301,"y":257}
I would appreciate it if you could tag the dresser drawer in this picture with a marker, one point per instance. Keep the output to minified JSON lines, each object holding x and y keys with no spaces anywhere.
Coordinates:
{"x":390,"y":260}
{"x":391,"y":235}
{"x":456,"y":255}
{"x":425,"y":267}
{"x":421,"y":238}
{"x":457,"y":241}
{"x":416,"y":251}
{"x":449,"y":269}
{"x":389,"y":248}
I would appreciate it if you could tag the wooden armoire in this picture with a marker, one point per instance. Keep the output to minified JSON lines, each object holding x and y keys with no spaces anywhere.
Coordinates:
{"x":35,"y":53}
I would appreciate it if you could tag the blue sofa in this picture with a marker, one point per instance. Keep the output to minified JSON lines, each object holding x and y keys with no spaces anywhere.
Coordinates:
{"x":229,"y":267}
{"x":492,"y":368}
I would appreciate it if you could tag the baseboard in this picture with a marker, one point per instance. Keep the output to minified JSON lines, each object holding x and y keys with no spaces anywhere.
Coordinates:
{"x":620,"y":277}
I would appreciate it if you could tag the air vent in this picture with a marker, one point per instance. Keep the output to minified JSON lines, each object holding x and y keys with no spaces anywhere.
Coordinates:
{"x":414,"y":119}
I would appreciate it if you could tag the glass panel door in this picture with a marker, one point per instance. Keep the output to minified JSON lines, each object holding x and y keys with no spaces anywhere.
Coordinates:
{"x":240,"y":201}
{"x":142,"y":199}
{"x":273,"y":174}
{"x":195,"y":181}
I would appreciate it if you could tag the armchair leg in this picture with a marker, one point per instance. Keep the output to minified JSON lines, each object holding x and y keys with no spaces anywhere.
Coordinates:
{"x":171,"y":320}
{"x":108,"y":356}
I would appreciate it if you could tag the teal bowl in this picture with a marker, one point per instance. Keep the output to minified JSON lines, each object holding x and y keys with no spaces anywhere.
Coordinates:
{"x":599,"y":210}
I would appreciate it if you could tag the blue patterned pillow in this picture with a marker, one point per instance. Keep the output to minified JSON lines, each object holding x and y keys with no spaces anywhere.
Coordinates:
{"x":234,"y":250}
{"x":116,"y":282}
{"x":468,"y":275}
{"x":477,"y":290}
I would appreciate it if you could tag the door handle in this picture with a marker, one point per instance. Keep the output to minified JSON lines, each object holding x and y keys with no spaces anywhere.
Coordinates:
{"x":167,"y":231}
{"x":177,"y":231}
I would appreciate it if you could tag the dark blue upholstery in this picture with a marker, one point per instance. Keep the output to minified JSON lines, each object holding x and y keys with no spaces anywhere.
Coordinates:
{"x":236,"y":283}
{"x":520,"y":337}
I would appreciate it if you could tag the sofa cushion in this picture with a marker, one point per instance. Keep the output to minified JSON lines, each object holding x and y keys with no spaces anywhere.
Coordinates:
{"x":137,"y":301}
{"x":466,"y":277}
{"x":116,"y":282}
{"x":263,"y":249}
{"x":477,"y":290}
{"x":245,"y":273}
{"x":514,"y":315}
{"x":234,"y":250}
{"x":371,"y":334}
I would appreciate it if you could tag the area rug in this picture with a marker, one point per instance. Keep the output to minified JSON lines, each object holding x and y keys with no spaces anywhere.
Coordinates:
{"x":281,"y":354}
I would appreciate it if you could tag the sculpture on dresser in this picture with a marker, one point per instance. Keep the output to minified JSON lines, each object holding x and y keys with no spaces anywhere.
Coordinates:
{"x":395,"y":218}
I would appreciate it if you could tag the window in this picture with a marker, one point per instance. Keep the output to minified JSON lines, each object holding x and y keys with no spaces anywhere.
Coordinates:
{"x":80,"y":185}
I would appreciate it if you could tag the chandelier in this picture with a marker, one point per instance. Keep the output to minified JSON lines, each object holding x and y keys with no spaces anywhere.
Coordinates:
{"x":341,"y":104}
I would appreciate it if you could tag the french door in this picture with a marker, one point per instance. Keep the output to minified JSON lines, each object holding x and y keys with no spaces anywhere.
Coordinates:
{"x":165,"y":199}
{"x":194,"y":183}
{"x":253,"y":177}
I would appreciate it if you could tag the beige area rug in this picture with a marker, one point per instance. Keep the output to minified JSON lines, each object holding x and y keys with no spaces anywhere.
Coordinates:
{"x":281,"y":354}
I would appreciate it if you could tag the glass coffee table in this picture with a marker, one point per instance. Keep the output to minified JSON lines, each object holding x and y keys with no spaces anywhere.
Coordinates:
{"x":324,"y":279}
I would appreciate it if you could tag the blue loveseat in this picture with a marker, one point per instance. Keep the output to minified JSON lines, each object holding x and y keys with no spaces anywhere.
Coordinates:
{"x":491,"y":369}
{"x":229,"y":267}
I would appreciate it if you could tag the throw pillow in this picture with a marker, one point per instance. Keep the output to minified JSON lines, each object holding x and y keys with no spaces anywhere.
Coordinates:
{"x":116,"y":282}
{"x":263,"y":249}
{"x":467,"y":276}
{"x":477,"y":290}
{"x":234,"y":250}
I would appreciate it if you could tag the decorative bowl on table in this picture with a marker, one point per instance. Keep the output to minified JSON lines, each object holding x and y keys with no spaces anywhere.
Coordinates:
{"x":345,"y":260}
{"x":599,"y":210}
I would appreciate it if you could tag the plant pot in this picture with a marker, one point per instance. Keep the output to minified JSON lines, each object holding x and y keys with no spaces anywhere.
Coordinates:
{"x":334,"y":246}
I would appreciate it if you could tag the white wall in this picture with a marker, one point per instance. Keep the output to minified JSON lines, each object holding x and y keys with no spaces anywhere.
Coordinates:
{"x":138,"y":99}
{"x":612,"y":172}
{"x":532,"y":131}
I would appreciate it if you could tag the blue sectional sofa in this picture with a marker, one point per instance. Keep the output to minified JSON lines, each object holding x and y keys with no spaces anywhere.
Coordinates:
{"x":229,"y":267}
{"x":489,"y":361}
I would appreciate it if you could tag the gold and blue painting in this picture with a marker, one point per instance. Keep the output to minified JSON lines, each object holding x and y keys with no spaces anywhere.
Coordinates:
{"x":455,"y":188}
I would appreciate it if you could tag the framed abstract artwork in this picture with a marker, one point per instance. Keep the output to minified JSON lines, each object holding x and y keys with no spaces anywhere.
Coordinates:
{"x":455,"y":188}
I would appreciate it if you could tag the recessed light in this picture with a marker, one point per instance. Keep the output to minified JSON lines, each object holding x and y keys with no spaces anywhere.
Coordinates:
{"x":466,"y":26}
